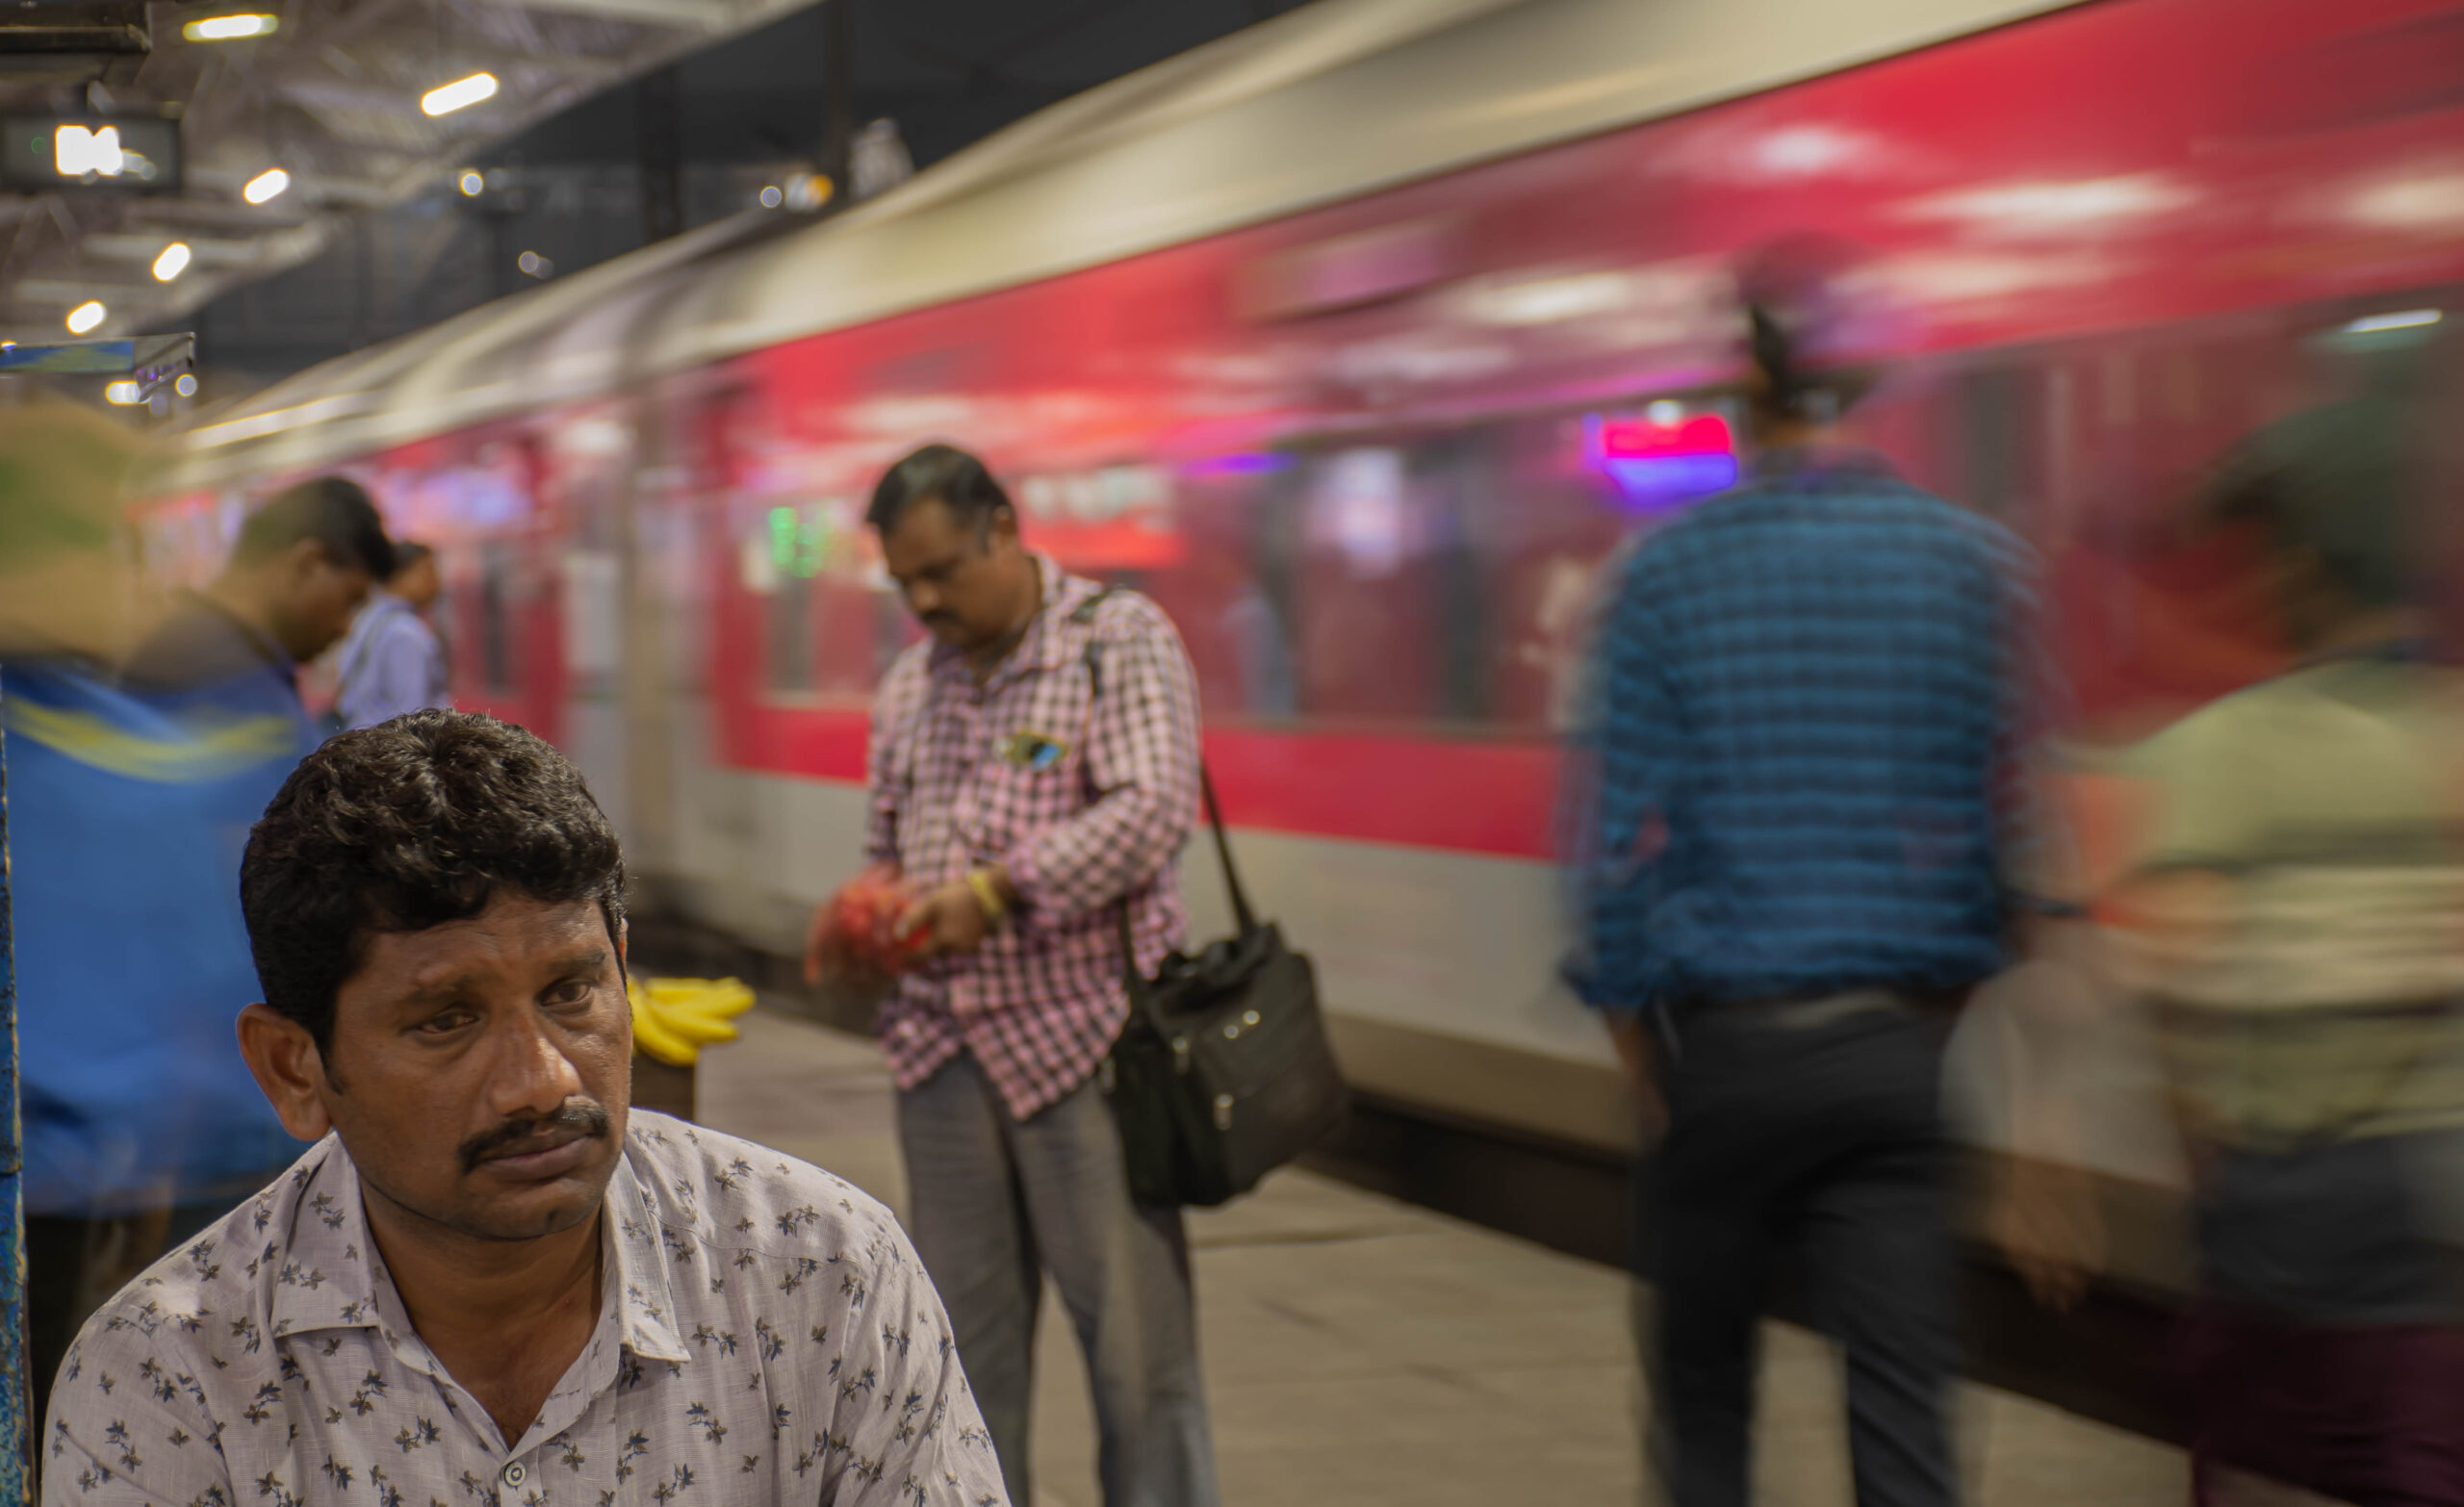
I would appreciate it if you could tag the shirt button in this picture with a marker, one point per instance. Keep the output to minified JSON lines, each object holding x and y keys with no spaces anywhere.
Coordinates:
{"x":516,"y":1474}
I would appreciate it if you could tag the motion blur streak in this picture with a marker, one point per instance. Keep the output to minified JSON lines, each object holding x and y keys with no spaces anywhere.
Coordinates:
{"x":68,"y":475}
{"x":1362,"y":347}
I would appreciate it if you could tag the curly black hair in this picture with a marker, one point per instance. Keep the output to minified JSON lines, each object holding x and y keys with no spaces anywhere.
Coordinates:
{"x":408,"y":824}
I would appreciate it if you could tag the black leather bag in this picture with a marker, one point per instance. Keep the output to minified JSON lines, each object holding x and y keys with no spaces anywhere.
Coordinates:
{"x":1222,"y":1072}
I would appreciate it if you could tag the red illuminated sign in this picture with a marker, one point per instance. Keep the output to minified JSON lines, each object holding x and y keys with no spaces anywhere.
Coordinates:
{"x":1658,"y":463}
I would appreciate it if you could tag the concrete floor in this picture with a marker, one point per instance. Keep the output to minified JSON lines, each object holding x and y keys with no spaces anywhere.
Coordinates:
{"x":1359,"y":1350}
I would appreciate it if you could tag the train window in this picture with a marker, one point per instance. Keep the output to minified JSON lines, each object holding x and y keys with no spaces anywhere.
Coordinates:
{"x":787,"y":660}
{"x":1432,"y":579}
{"x":893,"y":629}
{"x":824,"y":629}
{"x":500,"y":648}
{"x":1363,"y":527}
{"x":1552,"y":520}
{"x":1228,"y":592}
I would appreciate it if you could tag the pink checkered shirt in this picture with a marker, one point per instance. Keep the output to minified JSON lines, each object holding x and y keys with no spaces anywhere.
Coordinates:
{"x":952,"y":790}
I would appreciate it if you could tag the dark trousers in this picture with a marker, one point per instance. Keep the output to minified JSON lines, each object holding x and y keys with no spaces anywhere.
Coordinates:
{"x":1814,"y":1134}
{"x":2327,"y":1347}
{"x":994,"y":1204}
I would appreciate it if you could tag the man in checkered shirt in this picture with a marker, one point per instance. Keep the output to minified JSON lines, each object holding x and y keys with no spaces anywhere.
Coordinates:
{"x":1034,"y":771}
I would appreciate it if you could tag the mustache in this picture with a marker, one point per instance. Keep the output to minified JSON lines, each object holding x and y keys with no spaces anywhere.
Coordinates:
{"x":582,"y":1115}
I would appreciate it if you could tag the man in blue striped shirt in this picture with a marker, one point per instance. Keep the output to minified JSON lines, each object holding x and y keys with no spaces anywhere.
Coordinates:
{"x":1797,"y":846}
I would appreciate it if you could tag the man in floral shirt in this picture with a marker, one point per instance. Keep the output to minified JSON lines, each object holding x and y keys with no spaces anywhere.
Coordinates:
{"x":488,"y":1283}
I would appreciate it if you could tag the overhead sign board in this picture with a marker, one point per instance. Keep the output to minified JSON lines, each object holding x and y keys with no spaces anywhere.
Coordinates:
{"x":150,"y":359}
{"x":132,"y":154}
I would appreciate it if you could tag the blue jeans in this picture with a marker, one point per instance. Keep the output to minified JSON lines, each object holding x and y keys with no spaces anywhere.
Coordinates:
{"x":994,"y":1204}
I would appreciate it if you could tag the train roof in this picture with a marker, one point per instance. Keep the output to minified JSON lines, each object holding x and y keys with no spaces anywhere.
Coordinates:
{"x":1326,"y":103}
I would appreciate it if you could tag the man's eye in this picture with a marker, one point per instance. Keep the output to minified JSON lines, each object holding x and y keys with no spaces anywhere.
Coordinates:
{"x":573,"y":991}
{"x":450,"y":1021}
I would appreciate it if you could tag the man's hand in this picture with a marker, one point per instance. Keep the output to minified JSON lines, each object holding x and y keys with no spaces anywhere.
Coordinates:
{"x":2044,"y":1216}
{"x":1634,"y":1041}
{"x":953,"y":917}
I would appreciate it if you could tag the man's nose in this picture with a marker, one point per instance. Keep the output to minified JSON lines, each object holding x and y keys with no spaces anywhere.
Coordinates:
{"x":532,"y":1075}
{"x":922,"y":600}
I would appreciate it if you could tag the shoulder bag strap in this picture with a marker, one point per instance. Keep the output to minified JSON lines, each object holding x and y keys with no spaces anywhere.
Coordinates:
{"x":1245,"y":918}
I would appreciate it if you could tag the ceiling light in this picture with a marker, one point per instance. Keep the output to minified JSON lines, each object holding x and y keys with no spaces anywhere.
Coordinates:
{"x":470,"y":183}
{"x":186,"y":386}
{"x":123,"y":394}
{"x":1552,"y":300}
{"x":173,"y":261}
{"x":533,"y":265}
{"x":2058,"y":205}
{"x":85,"y":316}
{"x":771,"y":197}
{"x":448,"y":98}
{"x":2409,"y":319}
{"x":82,"y":153}
{"x":229,"y":28}
{"x":266,"y":187}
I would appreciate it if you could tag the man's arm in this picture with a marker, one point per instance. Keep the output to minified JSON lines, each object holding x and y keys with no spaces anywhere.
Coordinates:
{"x":1621,"y":783}
{"x":389,"y":675}
{"x":892,"y":708}
{"x":900,"y":1403}
{"x":1142,"y":760}
{"x":1623,"y":777}
{"x":129,"y":1429}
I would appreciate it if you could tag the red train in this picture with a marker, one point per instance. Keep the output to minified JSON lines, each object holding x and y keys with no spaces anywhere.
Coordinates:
{"x":1359,"y":340}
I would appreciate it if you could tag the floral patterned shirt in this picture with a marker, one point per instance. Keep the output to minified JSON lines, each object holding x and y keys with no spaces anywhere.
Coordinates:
{"x":767,"y":1335}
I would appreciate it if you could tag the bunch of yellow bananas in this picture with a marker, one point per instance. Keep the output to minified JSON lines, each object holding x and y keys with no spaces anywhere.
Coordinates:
{"x":675,"y":1019}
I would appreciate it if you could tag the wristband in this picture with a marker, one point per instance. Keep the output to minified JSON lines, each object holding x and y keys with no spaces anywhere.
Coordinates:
{"x":986,"y":895}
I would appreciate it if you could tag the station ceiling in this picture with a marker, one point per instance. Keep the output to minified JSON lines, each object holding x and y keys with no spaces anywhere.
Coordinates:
{"x":743,"y":115}
{"x":327,"y":92}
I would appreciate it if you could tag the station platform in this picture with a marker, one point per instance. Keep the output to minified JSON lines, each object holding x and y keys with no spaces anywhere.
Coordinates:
{"x":1360,"y":1350}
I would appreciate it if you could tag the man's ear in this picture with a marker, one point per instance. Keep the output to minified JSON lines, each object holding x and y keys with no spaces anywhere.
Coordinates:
{"x":288,"y":1069}
{"x":302,"y":556}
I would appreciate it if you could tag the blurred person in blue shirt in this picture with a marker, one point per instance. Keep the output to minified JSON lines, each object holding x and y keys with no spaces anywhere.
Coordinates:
{"x":130,"y":805}
{"x":391,"y":661}
{"x":1798,"y":815}
{"x":301,"y":567}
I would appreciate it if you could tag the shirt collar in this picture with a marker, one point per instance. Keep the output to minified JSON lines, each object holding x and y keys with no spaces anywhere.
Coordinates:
{"x":330,"y":1275}
{"x":648,"y":1318}
{"x":1803,"y":462}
